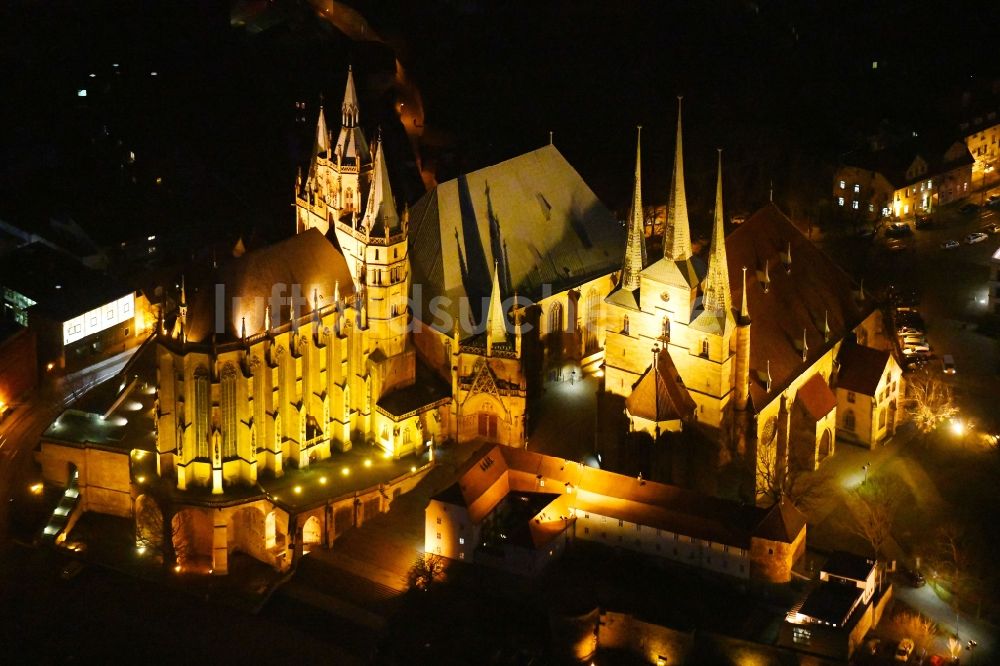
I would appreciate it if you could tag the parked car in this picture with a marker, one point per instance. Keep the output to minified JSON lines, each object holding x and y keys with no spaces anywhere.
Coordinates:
{"x":968,"y":208}
{"x":911,"y":339}
{"x":71,"y":570}
{"x":949,"y":245}
{"x":976,"y":237}
{"x":948,"y":364}
{"x":924,"y":222}
{"x":913,"y":577}
{"x":898,"y":230}
{"x":896,"y":245}
{"x":993,"y":198}
{"x":873,"y":645}
{"x":904,"y":650}
{"x":990,"y":228}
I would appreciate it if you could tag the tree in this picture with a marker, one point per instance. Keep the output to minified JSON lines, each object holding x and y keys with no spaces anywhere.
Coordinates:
{"x":953,"y":561}
{"x":780,"y":477}
{"x":873,"y":505}
{"x":916,"y":627}
{"x":929,"y":401}
{"x":426,"y":571}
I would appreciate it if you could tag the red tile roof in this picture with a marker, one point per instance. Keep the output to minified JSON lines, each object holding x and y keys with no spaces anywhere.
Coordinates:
{"x":817,"y":398}
{"x":797,"y":299}
{"x":861,"y":368}
{"x":661,"y":396}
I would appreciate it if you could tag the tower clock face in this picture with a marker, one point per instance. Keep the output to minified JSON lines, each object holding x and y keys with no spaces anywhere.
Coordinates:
{"x":770,"y":430}
{"x":664,"y":296}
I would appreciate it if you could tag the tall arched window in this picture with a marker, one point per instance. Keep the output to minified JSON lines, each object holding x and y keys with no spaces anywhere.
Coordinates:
{"x":229,"y":417}
{"x":849,"y":420}
{"x":593,"y":321}
{"x":665,"y":330}
{"x":349,"y":200}
{"x":201,"y":414}
{"x":555,"y":318}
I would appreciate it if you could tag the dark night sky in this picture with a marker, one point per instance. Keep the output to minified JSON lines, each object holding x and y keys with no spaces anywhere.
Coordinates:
{"x":782,"y":86}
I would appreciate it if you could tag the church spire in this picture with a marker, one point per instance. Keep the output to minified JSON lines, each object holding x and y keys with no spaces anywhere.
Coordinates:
{"x":496,"y":325}
{"x":381,"y":208}
{"x":322,"y":134}
{"x":676,"y":231}
{"x":635,"y":243}
{"x":349,"y":109}
{"x":744,"y":310}
{"x":717,"y":299}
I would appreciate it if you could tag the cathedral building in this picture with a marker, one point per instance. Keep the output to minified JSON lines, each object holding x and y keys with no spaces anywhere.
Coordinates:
{"x":380,"y":326}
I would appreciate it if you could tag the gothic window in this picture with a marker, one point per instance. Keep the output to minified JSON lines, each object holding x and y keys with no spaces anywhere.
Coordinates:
{"x":229,"y":418}
{"x":625,"y":324}
{"x":665,"y":332}
{"x":349,"y":200}
{"x":593,"y":320}
{"x":555,"y":318}
{"x":704,"y":347}
{"x":881,"y":418}
{"x":201,"y":414}
{"x":849,"y":420}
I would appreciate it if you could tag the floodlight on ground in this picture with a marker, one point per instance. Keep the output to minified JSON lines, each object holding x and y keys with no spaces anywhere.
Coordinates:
{"x":368,"y":462}
{"x":322,"y":480}
{"x":957,"y":427}
{"x":345,"y":471}
{"x":297,"y":490}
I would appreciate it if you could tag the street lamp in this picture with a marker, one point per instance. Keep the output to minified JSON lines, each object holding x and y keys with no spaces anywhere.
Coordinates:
{"x":865,"y":468}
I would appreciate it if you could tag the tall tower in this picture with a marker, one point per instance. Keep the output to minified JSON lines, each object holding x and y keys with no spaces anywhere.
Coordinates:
{"x":381,"y":248}
{"x":717,"y":300}
{"x":330,"y":195}
{"x":635,"y":244}
{"x":676,"y":231}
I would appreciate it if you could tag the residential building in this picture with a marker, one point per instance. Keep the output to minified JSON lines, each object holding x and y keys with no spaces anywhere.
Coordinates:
{"x":902,"y":179}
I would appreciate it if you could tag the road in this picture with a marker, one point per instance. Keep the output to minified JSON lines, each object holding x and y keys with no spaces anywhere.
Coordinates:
{"x":19,"y":433}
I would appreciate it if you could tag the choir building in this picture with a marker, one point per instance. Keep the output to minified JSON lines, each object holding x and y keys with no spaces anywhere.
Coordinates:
{"x":385,"y":326}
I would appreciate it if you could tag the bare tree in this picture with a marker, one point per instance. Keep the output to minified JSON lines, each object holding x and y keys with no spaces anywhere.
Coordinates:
{"x":783,"y":478}
{"x":148,"y":523}
{"x":915,"y":626}
{"x":426,"y":571}
{"x":929,"y":400}
{"x":183,"y":537}
{"x":873,"y":505}
{"x":953,"y":561}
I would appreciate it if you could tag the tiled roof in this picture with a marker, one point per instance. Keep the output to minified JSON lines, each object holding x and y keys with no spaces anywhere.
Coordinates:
{"x":816,"y":396}
{"x":305,"y":262}
{"x":494,"y":471}
{"x":861,"y":368}
{"x":798,"y":297}
{"x":660,"y":396}
{"x":533,"y":215}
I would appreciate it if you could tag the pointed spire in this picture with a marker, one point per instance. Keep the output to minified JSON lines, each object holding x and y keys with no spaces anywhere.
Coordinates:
{"x":767,"y":377}
{"x":635,"y":243}
{"x":381,"y":208}
{"x":349,"y":108}
{"x":717,"y":299}
{"x":243,"y":329}
{"x":805,"y":346}
{"x":267,"y":318}
{"x":517,"y":327}
{"x":826,"y":325}
{"x":322,"y":144}
{"x":676,"y":232}
{"x":744,"y":310}
{"x":496,"y":325}
{"x":766,"y":280}
{"x":788,"y":258}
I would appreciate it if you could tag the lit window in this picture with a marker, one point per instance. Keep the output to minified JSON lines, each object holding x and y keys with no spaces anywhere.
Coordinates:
{"x":840,"y":201}
{"x":461,"y":541}
{"x":871,"y":208}
{"x":843,"y":184}
{"x":857,"y":188}
{"x":461,"y":556}
{"x":854,"y":205}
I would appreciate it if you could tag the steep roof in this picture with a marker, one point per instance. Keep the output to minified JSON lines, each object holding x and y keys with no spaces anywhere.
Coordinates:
{"x":532,"y":215}
{"x":816,"y":397}
{"x":494,"y":471}
{"x":660,"y":395}
{"x":848,"y":565}
{"x":894,"y":160}
{"x":797,"y":298}
{"x":306,"y":262}
{"x":861,"y":368}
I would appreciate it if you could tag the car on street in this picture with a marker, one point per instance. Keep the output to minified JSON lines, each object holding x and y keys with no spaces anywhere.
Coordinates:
{"x":912,"y":339}
{"x":899,"y":230}
{"x":71,"y":570}
{"x":968,"y":208}
{"x":896,"y":245}
{"x":949,"y":245}
{"x":923,"y":222}
{"x":948,"y":364}
{"x":910,"y":350}
{"x":993,"y":198}
{"x":976,"y":237}
{"x":990,"y":228}
{"x":913,"y":578}
{"x":904,"y":650}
